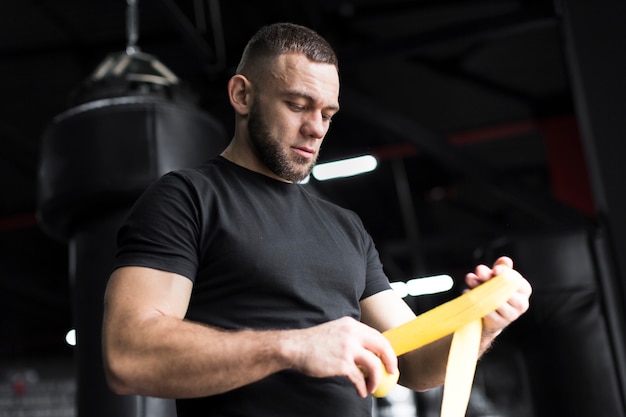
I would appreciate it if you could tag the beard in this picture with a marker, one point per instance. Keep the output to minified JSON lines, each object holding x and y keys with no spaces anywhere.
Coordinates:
{"x":287,"y":165}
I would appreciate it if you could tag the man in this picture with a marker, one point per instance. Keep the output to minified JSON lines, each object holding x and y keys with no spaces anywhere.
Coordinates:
{"x":237,"y":292}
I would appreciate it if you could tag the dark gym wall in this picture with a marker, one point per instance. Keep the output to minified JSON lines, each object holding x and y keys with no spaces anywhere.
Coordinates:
{"x":594,"y":36}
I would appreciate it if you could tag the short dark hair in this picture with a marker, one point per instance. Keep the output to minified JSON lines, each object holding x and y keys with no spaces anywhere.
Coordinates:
{"x":284,"y":38}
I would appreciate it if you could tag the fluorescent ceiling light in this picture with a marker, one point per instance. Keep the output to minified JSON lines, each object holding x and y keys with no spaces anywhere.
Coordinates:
{"x":423,"y":286}
{"x":345,"y":168}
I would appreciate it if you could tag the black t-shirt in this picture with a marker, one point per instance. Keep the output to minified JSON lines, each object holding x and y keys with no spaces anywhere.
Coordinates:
{"x":262,"y":254}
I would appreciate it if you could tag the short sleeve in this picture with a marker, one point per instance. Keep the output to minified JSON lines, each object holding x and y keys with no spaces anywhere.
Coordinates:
{"x":375,"y":280}
{"x":162,"y":229}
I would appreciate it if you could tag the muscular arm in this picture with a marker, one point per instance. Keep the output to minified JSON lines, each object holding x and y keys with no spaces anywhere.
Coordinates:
{"x":150,"y":349}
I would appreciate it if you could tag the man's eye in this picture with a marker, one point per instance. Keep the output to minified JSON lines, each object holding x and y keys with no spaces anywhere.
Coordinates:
{"x":328,"y":118}
{"x":297,"y":107}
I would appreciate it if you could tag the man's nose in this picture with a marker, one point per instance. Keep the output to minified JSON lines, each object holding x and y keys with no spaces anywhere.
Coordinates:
{"x":314,"y":126}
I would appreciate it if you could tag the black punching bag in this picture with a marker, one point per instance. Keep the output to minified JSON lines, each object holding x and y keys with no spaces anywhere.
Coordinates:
{"x":129,"y":125}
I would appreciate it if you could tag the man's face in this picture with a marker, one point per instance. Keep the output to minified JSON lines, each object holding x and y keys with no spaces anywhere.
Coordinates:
{"x":291,"y":114}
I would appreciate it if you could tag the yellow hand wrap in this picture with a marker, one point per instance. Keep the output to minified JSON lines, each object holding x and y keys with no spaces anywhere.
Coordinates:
{"x":463,"y":317}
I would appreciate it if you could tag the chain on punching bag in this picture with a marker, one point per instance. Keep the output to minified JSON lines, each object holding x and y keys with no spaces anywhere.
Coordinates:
{"x":129,"y":124}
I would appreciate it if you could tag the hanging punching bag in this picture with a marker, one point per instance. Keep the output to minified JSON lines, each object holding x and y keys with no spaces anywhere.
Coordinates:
{"x":129,"y":125}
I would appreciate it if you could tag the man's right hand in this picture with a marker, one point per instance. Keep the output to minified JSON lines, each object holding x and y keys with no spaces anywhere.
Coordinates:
{"x":342,"y":347}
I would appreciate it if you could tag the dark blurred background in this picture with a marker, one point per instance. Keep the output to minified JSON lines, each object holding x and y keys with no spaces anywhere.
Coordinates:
{"x":486,"y":117}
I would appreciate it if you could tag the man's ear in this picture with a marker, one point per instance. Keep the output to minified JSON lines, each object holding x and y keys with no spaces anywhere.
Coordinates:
{"x":240,"y":94}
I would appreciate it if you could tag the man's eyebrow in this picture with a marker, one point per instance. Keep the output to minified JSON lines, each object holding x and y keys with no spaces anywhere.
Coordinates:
{"x":308,"y":97}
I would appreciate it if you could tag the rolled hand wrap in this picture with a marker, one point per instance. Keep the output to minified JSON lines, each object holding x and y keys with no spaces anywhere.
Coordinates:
{"x":462,"y":317}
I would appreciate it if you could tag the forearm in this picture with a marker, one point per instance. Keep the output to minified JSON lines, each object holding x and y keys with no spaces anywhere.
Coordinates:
{"x":149,"y":349}
{"x":167,"y":357}
{"x":425,"y":368}
{"x":486,"y":340}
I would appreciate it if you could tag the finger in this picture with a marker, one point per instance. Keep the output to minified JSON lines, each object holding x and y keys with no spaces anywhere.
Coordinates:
{"x":372,"y":368}
{"x":481,"y":274}
{"x":358,"y":377}
{"x":526,"y":289}
{"x":498,"y":320}
{"x":390,"y":362}
{"x":379,"y":345}
{"x":380,"y":355}
{"x":507,"y":313}
{"x":505,"y":261}
{"x":520,"y":302}
{"x":366,"y":369}
{"x":387,"y":359}
{"x":472,"y":280}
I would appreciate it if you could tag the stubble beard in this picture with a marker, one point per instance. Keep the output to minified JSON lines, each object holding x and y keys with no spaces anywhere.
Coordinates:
{"x":288,"y":166}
